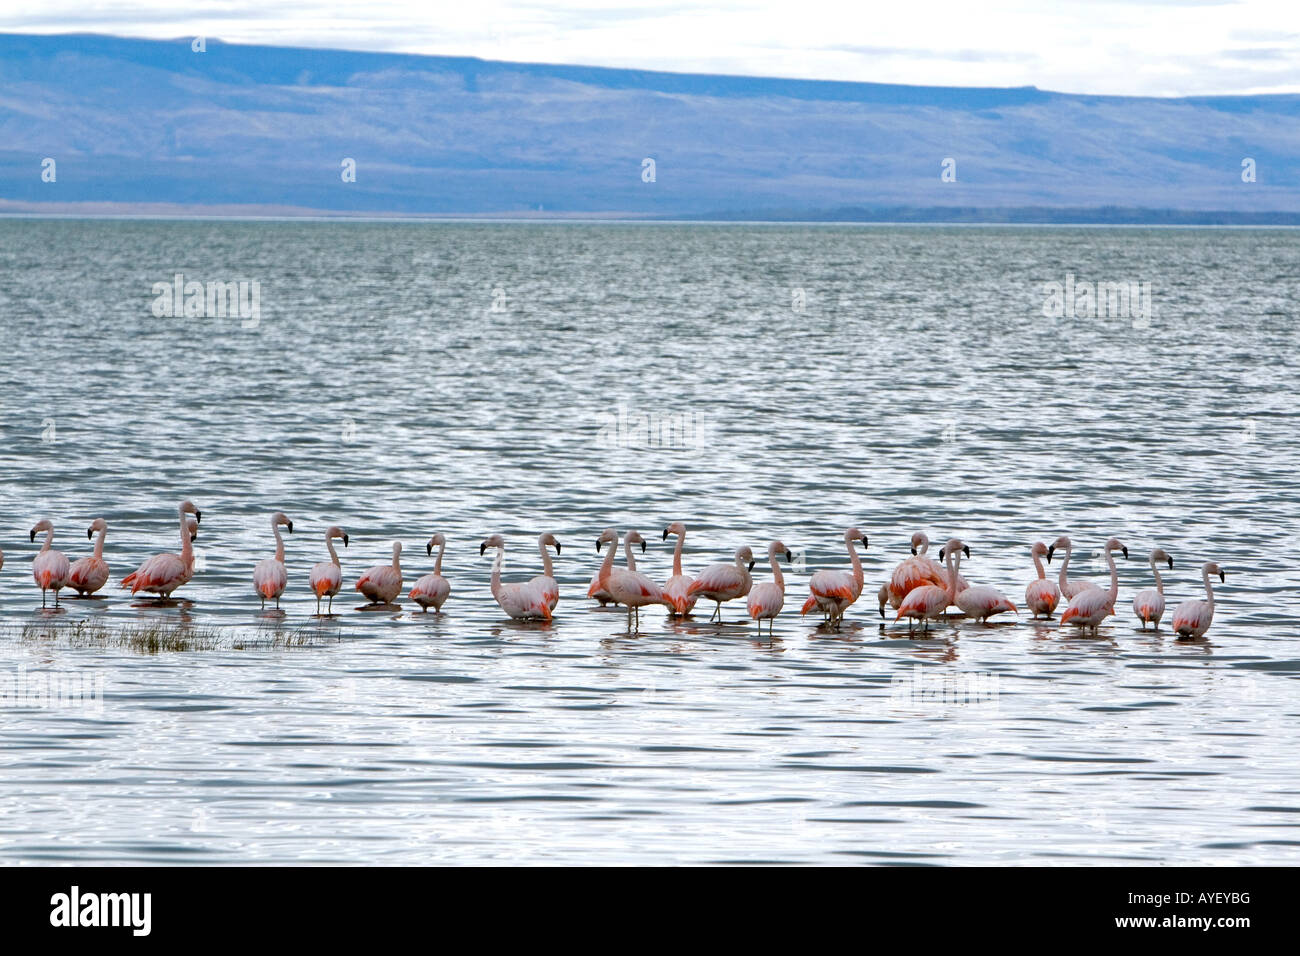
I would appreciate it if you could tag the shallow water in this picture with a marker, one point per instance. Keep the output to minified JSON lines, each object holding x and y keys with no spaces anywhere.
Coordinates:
{"x":410,"y":378}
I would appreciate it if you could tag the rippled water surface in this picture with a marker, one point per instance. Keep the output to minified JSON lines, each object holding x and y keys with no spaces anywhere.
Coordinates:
{"x":470,"y":379}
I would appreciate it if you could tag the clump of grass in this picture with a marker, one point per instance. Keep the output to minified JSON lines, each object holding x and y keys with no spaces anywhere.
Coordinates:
{"x":157,"y":637}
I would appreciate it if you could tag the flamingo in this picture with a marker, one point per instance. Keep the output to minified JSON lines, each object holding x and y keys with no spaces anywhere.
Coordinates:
{"x":1193,"y":618}
{"x":383,"y":582}
{"x":525,"y":601}
{"x":1069,"y":589}
{"x":269,"y":575}
{"x":1149,"y":604}
{"x":164,"y":573}
{"x":834,"y":591}
{"x":724,"y":582}
{"x":432,"y":589}
{"x":982,"y":601}
{"x":546,"y":580}
{"x":628,"y":586}
{"x":1091,"y":605}
{"x":929,"y":601}
{"x":50,"y":568}
{"x":326,"y":577}
{"x":675,"y":588}
{"x":767,"y":598}
{"x":1041,"y":595}
{"x":88,"y":575}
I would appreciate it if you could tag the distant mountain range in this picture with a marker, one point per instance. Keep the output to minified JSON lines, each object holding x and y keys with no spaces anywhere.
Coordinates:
{"x":145,"y":127}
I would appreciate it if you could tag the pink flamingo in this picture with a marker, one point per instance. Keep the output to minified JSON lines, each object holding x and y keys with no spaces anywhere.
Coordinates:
{"x":89,"y":574}
{"x":834,"y":591}
{"x":326,"y":577}
{"x":432,"y":589}
{"x":50,"y":568}
{"x":546,"y":580}
{"x":164,"y":573}
{"x":1041,"y":595}
{"x":724,"y":582}
{"x":929,"y":601}
{"x":1069,"y":589}
{"x":768,"y":597}
{"x":981,"y":601}
{"x":269,"y":575}
{"x":1193,"y":618}
{"x":383,"y":582}
{"x":524,"y":601}
{"x":628,"y":586}
{"x":675,"y":588}
{"x":1091,"y":605}
{"x":1149,"y":604}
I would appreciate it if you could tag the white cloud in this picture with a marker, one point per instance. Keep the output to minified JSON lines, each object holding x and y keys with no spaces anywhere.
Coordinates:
{"x":1151,"y":47}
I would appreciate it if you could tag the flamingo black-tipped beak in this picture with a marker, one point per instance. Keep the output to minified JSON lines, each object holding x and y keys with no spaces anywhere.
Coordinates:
{"x":1222,"y":577}
{"x":598,"y":544}
{"x":643,"y":547}
{"x":1171,"y":563}
{"x":345,"y":541}
{"x":198,"y":516}
{"x":941,"y":551}
{"x":882,"y":611}
{"x":481,"y":548}
{"x":965,"y":549}
{"x":1050,"y":552}
{"x":789,"y":557}
{"x":31,"y":536}
{"x":914,"y":549}
{"x":557,"y":547}
{"x":290,"y":527}
{"x":428,"y":547}
{"x":751,"y":565}
{"x":1125,"y":550}
{"x":90,"y":533}
{"x":665,"y":537}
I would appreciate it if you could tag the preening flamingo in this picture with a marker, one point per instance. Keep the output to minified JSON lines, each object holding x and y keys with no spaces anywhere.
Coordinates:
{"x":1091,"y":605}
{"x":768,"y":597}
{"x":1069,"y":589}
{"x":929,"y":601}
{"x":50,"y":568}
{"x":164,"y":573}
{"x":981,"y":601}
{"x":269,"y":575}
{"x":833,"y":591}
{"x":432,"y":589}
{"x":1149,"y":603}
{"x":1193,"y":618}
{"x":525,"y":601}
{"x":326,"y":577}
{"x":724,"y":582}
{"x":676,"y":587}
{"x":546,"y":580}
{"x":88,"y":575}
{"x":628,"y":586}
{"x":383,"y":582}
{"x":1041,"y":595}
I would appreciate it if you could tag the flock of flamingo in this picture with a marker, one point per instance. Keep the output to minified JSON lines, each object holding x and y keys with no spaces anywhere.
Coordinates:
{"x":920,"y":588}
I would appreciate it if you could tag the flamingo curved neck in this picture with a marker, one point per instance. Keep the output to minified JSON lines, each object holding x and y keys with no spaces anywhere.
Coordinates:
{"x":49,"y":540}
{"x":677,"y":555}
{"x":397,"y":564}
{"x":99,"y":544}
{"x":437,"y":566}
{"x":496,"y":571}
{"x":1038,"y":566}
{"x":1113,"y":593}
{"x":187,"y":549}
{"x":776,"y":568}
{"x":953,"y":571}
{"x":279,"y":541}
{"x":546,"y":559}
{"x":1063,"y":577}
{"x":334,"y":555}
{"x":1160,"y":584}
{"x":608,"y":564}
{"x":857,"y":565}
{"x":1209,"y":591}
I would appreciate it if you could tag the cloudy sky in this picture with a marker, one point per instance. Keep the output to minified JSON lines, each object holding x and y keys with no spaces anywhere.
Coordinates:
{"x":1148,"y":47}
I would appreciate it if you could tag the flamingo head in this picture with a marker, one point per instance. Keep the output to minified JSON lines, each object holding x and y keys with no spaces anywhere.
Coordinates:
{"x":1038,"y":550}
{"x":745,"y":556}
{"x":42,"y":525}
{"x":435,"y":542}
{"x":1158,"y":555}
{"x":853,"y":534}
{"x":676,"y":528}
{"x":1061,"y":542}
{"x":334,"y":531}
{"x":920,"y":543}
{"x":952,"y":547}
{"x":1212,"y":568}
{"x":280,"y":518}
{"x":1113,"y":544}
{"x":608,"y":536}
{"x":99,"y":524}
{"x":495,"y":541}
{"x":548,"y":538}
{"x":634,"y":537}
{"x":192,"y":527}
{"x":777,"y":548}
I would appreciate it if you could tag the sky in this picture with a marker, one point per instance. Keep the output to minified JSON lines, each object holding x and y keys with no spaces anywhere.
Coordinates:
{"x":1123,"y":47}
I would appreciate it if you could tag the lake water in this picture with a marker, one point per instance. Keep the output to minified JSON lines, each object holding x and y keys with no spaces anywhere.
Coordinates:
{"x":401,"y":379}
